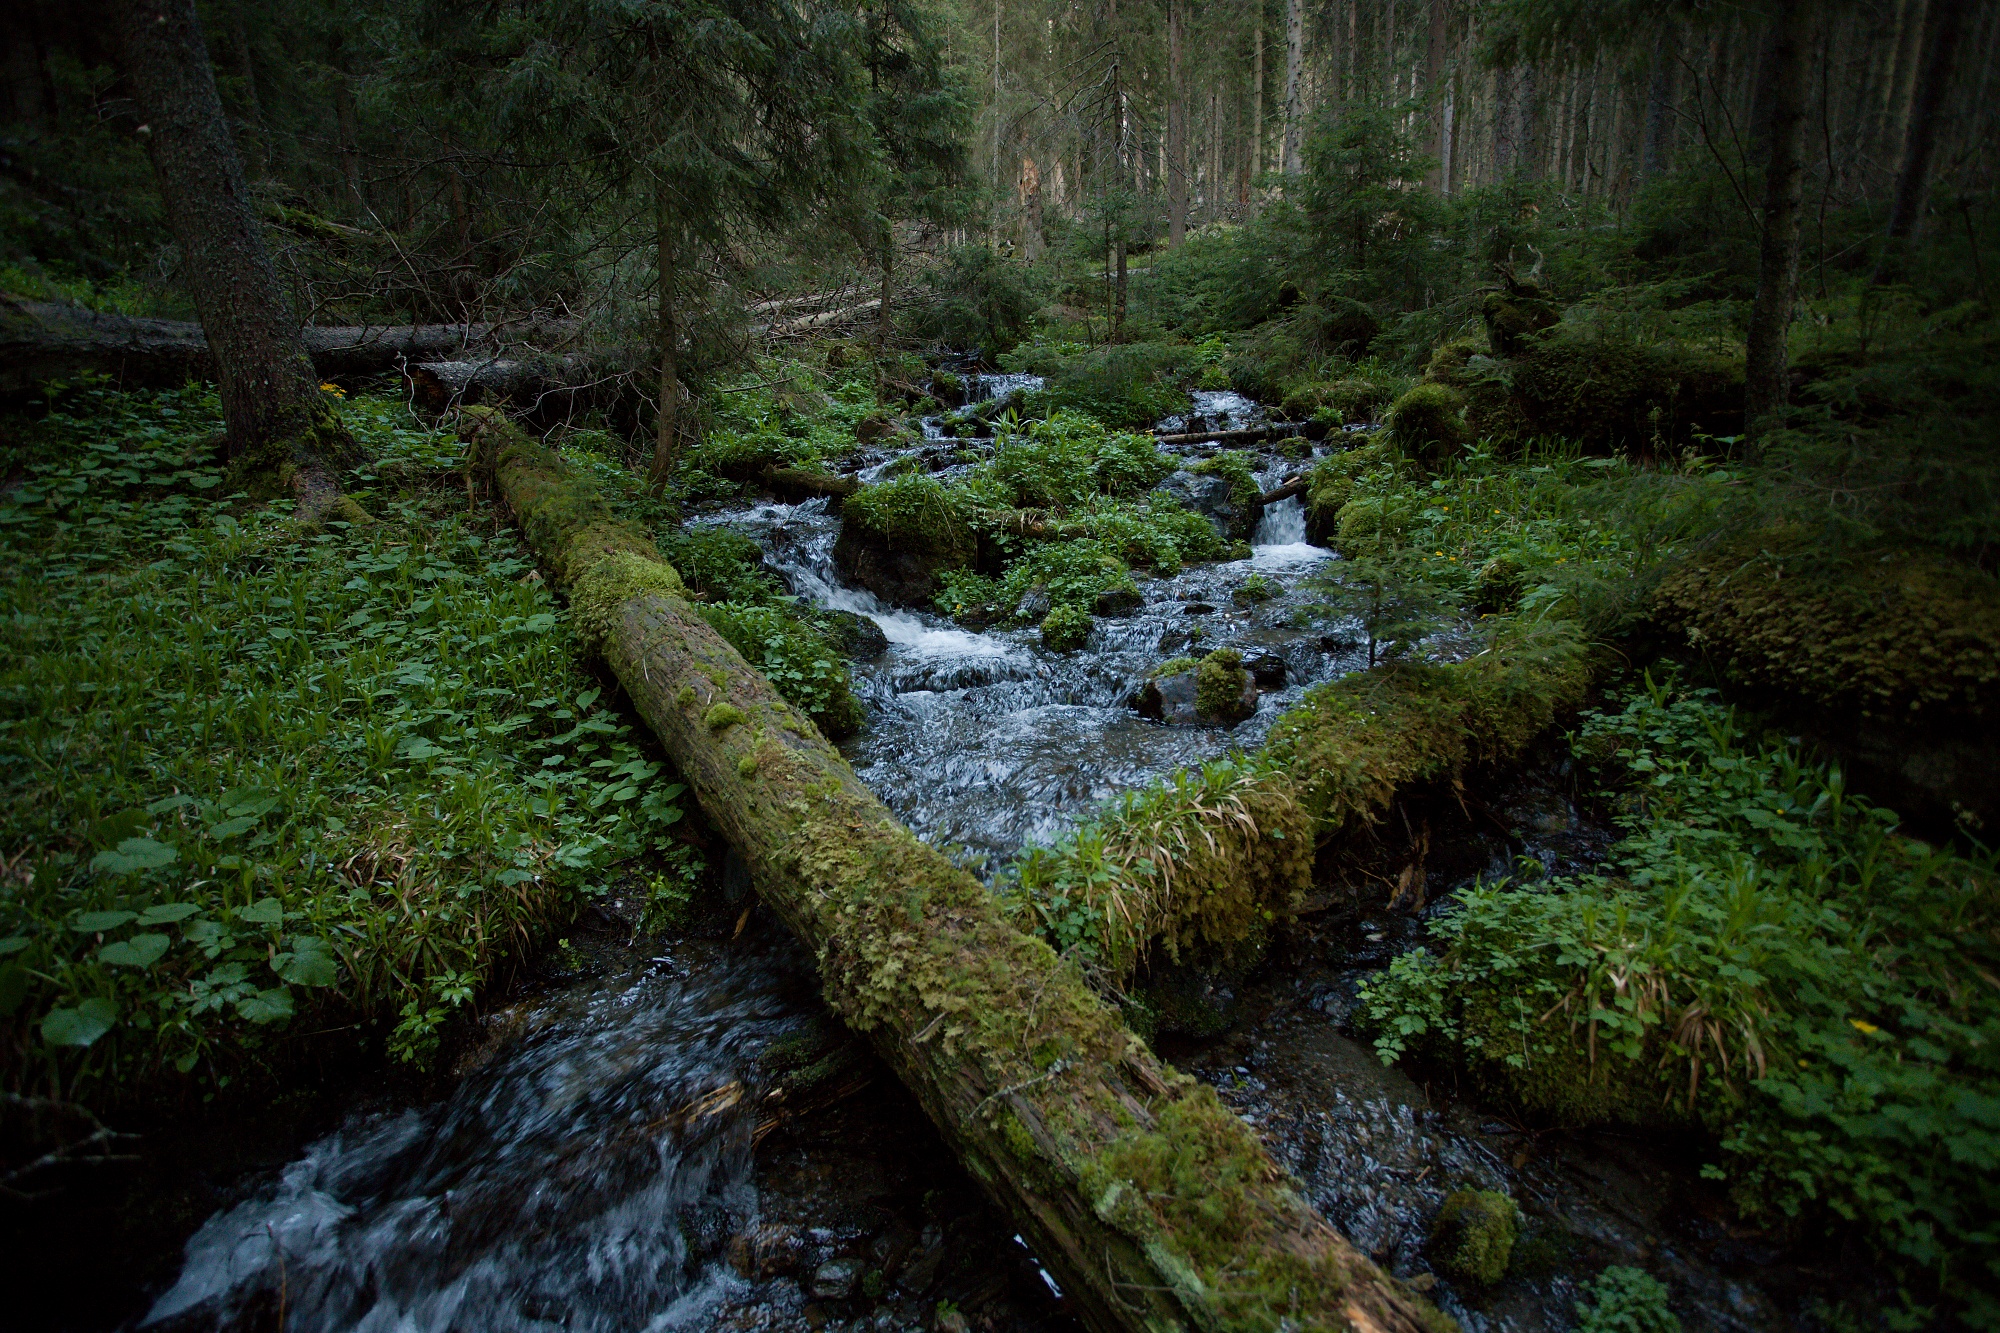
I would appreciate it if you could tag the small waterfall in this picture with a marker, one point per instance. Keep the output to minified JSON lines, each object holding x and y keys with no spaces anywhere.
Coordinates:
{"x":1283,"y":524}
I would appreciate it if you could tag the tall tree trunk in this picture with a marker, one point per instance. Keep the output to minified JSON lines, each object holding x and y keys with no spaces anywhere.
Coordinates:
{"x":1295,"y":114}
{"x":1434,"y":93}
{"x":253,"y":110}
{"x":1654,"y":149}
{"x":283,"y":431}
{"x":1257,"y":93}
{"x":1766,"y":383}
{"x":1909,"y":54}
{"x":1945,"y":24}
{"x":1177,"y":128}
{"x":667,"y":438}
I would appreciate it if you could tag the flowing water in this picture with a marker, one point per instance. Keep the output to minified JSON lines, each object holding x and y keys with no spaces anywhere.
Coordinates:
{"x":599,"y":1168}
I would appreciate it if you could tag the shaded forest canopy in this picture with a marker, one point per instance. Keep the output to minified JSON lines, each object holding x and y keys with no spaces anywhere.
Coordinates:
{"x":1638,"y":359}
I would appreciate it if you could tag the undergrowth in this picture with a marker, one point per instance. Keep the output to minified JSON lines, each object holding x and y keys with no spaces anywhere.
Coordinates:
{"x":1765,"y":954}
{"x":255,"y":778}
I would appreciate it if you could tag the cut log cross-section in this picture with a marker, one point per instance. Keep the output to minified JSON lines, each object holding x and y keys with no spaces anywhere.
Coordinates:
{"x":1154,"y":1206}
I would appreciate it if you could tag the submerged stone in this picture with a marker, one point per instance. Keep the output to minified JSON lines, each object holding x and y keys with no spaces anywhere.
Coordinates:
{"x":1474,"y":1237}
{"x":836,"y":1279}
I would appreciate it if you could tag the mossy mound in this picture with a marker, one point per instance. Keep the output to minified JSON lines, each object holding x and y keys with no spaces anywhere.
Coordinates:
{"x":1428,"y":422}
{"x":897,"y":537}
{"x":1066,"y":628}
{"x":1350,"y":398}
{"x":1608,"y":389}
{"x":1474,"y":1236}
{"x":1892,"y":635}
{"x":1331,"y":484}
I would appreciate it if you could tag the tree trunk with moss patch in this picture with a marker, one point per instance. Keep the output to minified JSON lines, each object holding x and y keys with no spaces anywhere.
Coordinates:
{"x":283,"y":433}
{"x":1154,"y":1206}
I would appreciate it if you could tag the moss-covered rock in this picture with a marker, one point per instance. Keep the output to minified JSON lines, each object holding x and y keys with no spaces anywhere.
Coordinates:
{"x":897,"y":537}
{"x":1474,"y":1235}
{"x":1200,"y":691}
{"x":1428,"y":422}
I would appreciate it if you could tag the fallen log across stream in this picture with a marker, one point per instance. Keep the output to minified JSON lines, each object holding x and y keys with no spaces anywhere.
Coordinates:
{"x":1153,"y":1205}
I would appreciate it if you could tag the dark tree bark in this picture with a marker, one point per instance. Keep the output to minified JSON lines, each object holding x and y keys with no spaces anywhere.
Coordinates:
{"x":1766,"y":387}
{"x":1655,"y":148}
{"x":666,"y":445}
{"x":1177,"y":129}
{"x":1945,"y":24}
{"x":283,"y":433}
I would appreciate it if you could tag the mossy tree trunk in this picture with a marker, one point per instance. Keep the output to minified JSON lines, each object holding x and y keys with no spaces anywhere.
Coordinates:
{"x":283,"y":432}
{"x":1154,"y":1206}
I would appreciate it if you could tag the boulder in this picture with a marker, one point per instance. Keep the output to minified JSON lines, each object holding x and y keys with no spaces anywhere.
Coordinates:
{"x":1474,"y":1237}
{"x":1114,"y":602}
{"x":858,"y":636}
{"x":836,"y":1279}
{"x":902,"y":573}
{"x":1214,"y":691}
{"x":1210,"y":497}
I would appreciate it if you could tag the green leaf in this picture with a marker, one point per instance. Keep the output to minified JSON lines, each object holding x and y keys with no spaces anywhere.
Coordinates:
{"x":91,"y":922}
{"x":139,"y":951}
{"x":310,"y":963}
{"x":13,"y":944}
{"x":229,"y":828}
{"x":165,"y":914}
{"x":266,"y":1006}
{"x":79,"y":1026}
{"x":417,"y":747}
{"x":263,"y":912}
{"x":134,"y":854}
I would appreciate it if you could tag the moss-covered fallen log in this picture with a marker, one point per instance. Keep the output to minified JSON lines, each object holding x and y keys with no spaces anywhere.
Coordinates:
{"x":1154,"y":1206}
{"x":1194,"y":868}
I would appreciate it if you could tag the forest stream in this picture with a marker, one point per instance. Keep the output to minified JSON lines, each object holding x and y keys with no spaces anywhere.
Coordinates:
{"x":618,"y":1152}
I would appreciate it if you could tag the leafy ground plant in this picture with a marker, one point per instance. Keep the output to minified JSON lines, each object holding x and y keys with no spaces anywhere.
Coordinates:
{"x":1766,"y":955}
{"x":253,"y":775}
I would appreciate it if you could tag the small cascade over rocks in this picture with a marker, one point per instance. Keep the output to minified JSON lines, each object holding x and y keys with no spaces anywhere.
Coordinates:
{"x":982,"y":741}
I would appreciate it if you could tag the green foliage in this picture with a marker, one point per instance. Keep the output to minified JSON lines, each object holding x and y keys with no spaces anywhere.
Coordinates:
{"x":1067,"y":459}
{"x":1066,"y":627}
{"x":1765,"y":954}
{"x":794,"y":656}
{"x":1626,"y":1300}
{"x":975,"y":300}
{"x":918,"y":512}
{"x":251,"y":774}
{"x":1196,"y":866}
{"x":1122,"y":385}
{"x":720,"y":564}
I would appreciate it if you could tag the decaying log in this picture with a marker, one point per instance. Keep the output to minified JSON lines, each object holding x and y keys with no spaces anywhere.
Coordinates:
{"x":42,"y":340}
{"x":1292,"y":488}
{"x":1256,"y":435}
{"x":1155,"y":1207}
{"x":802,"y":483}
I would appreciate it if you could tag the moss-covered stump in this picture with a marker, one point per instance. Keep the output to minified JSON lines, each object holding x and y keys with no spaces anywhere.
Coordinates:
{"x":1154,"y":1205}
